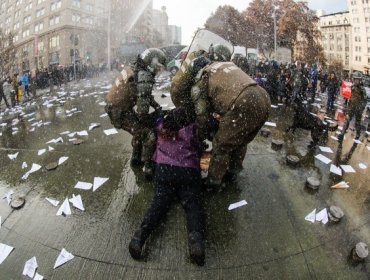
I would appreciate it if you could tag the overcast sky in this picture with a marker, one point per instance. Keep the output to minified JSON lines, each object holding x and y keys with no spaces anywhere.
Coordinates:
{"x":190,"y":14}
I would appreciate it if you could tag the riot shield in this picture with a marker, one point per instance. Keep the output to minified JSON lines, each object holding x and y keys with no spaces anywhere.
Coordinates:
{"x":204,"y":39}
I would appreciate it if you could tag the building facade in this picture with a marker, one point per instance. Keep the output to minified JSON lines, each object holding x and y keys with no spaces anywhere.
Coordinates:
{"x":54,"y":32}
{"x":336,"y":36}
{"x":359,"y":11}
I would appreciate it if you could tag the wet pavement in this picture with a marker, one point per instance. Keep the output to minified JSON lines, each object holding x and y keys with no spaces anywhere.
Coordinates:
{"x":268,"y":238}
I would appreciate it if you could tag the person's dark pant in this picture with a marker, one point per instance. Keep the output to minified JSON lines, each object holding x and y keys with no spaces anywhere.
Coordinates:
{"x":171,"y":181}
{"x":330,"y":103}
{"x":2,"y":96}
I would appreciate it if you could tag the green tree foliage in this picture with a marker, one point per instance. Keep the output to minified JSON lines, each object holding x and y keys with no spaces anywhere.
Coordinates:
{"x":7,"y":53}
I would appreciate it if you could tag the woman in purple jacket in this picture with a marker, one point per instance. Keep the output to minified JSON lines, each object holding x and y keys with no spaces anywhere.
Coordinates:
{"x":177,"y":173}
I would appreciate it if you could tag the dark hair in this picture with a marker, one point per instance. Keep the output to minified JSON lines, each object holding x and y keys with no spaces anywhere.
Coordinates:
{"x":173,"y":121}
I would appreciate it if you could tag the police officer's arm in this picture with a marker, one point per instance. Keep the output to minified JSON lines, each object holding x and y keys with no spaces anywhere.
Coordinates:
{"x":145,"y":82}
{"x":201,"y":106}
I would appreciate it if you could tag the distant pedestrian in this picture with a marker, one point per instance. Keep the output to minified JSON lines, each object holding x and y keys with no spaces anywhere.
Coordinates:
{"x":25,"y":85}
{"x":2,"y":94}
{"x":332,"y":87}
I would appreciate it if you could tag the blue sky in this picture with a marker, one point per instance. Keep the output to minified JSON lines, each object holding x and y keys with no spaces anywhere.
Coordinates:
{"x":191,"y":14}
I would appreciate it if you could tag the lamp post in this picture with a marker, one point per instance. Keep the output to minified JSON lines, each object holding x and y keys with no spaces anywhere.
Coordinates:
{"x":108,"y":33}
{"x":274,"y":16}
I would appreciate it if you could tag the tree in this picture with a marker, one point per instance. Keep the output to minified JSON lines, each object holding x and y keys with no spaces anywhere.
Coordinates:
{"x":7,"y":53}
{"x":228,"y":23}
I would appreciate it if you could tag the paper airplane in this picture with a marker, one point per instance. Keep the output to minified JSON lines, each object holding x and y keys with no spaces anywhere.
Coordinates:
{"x":341,"y":185}
{"x":77,"y":202}
{"x":72,"y":134}
{"x":83,"y":185}
{"x":237,"y":204}
{"x":5,"y":251}
{"x":311,"y":217}
{"x":362,"y":165}
{"x":325,"y":149}
{"x":63,"y":257}
{"x":8,"y":196}
{"x":110,"y":131}
{"x":323,"y":158}
{"x":270,"y":124}
{"x":64,"y":132}
{"x":35,"y":167}
{"x":94,"y":125}
{"x":13,"y":156}
{"x":348,"y":169}
{"x":64,"y":208}
{"x":40,"y":152}
{"x":104,"y":115}
{"x":82,"y":133}
{"x":24,"y":165}
{"x":52,"y":201}
{"x":98,"y":181}
{"x":38,"y":277}
{"x":335,"y":169}
{"x":61,"y":160}
{"x":50,"y":148}
{"x":30,"y":267}
{"x":322,"y":216}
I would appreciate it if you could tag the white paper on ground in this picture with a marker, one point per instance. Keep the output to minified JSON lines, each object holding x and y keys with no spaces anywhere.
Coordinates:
{"x":77,"y":202}
{"x":64,"y":208}
{"x":340,"y":185}
{"x":322,"y":216}
{"x":335,"y":169}
{"x":357,"y":141}
{"x":237,"y":204}
{"x":333,"y":137}
{"x":50,"y":148}
{"x":348,"y":169}
{"x":323,"y":158}
{"x":57,"y":140}
{"x":38,"y":277}
{"x":325,"y":149}
{"x":104,"y":115}
{"x":311,"y":217}
{"x":72,"y":134}
{"x":64,"y":132}
{"x":72,"y":139}
{"x":61,"y":160}
{"x":83,"y":185}
{"x":8,"y":196}
{"x":274,"y":106}
{"x":63,"y":257}
{"x":40,"y":152}
{"x":110,"y":131}
{"x":367,"y":132}
{"x":270,"y":124}
{"x":94,"y":125}
{"x":98,"y":181}
{"x":13,"y":156}
{"x":368,"y":148}
{"x":30,"y":267}
{"x":52,"y":201}
{"x":35,"y":167}
{"x":82,"y":133}
{"x":5,"y":251}
{"x":24,"y":165}
{"x":362,"y":165}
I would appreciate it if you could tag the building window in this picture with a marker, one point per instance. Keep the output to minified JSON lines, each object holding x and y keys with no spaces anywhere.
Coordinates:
{"x":56,"y":5}
{"x":26,"y":19}
{"x":26,"y":33}
{"x":54,"y":20}
{"x":40,"y":46}
{"x":39,"y":26}
{"x":89,"y":21}
{"x":368,"y":49}
{"x":18,"y":2}
{"x":40,"y":1}
{"x":16,"y":26}
{"x":28,"y":7}
{"x":89,"y":7}
{"x":17,"y":13}
{"x":54,"y":41}
{"x":76,"y":18}
{"x":76,"y":3}
{"x":40,"y":12}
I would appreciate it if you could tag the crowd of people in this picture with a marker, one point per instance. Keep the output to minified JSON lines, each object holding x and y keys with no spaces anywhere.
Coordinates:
{"x":22,"y":87}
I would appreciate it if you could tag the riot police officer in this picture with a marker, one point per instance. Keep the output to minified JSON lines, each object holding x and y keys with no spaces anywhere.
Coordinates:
{"x":243,"y":107}
{"x":133,"y":87}
{"x":356,"y":105}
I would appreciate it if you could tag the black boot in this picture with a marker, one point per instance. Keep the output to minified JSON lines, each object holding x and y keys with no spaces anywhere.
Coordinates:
{"x":136,"y":157}
{"x":136,"y":245}
{"x":196,"y":248}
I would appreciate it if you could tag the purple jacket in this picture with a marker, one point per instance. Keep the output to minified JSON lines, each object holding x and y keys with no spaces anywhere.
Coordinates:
{"x":182,"y":151}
